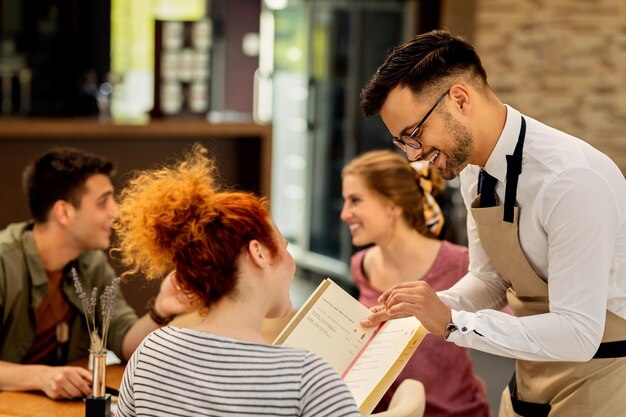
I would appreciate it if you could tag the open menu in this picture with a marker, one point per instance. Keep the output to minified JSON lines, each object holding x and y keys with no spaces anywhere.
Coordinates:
{"x":368,"y":360}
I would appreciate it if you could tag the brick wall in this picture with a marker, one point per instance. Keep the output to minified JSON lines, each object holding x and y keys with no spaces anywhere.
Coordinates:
{"x":560,"y":61}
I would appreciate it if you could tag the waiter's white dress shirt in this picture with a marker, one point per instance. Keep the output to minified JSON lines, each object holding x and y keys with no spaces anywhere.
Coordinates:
{"x":572,"y":230}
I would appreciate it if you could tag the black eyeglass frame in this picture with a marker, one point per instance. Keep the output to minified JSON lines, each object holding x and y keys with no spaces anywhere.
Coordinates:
{"x":409,"y":140}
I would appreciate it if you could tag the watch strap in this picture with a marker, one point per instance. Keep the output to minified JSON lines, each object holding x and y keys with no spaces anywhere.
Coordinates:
{"x":155,"y":316}
{"x":450,"y":327}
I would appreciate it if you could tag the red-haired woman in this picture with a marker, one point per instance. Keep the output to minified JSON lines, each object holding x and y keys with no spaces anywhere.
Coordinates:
{"x":231,"y":260}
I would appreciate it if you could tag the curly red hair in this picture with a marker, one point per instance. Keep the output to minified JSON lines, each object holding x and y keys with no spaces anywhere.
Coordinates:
{"x":173,"y":217}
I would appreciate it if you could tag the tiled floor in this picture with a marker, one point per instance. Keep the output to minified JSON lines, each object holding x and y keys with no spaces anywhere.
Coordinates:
{"x":494,"y":370}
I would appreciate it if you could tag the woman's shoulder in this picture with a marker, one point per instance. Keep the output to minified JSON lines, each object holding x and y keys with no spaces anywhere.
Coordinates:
{"x":451,"y":264}
{"x":306,"y":357}
{"x":358,"y":256}
{"x":453,"y":247}
{"x":453,"y":250}
{"x":357,"y":265}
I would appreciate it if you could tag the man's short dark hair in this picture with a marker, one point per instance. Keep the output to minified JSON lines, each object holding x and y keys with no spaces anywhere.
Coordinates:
{"x":428,"y":60}
{"x":60,"y":174}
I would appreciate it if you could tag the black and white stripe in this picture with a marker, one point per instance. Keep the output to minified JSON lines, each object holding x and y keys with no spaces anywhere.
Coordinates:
{"x":182,"y":372}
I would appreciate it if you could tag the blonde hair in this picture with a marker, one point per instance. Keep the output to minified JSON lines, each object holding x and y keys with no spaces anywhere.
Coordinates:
{"x":391,"y":176}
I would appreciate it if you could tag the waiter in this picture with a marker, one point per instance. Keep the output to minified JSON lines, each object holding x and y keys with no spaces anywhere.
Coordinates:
{"x":546,"y":230}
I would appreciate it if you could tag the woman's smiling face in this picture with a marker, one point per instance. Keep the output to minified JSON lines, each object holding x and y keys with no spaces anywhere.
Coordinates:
{"x":367,"y":214}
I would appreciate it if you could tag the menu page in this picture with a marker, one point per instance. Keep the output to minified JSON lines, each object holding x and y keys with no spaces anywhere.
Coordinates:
{"x":368,"y":360}
{"x":383,"y":352}
{"x":330,"y":326}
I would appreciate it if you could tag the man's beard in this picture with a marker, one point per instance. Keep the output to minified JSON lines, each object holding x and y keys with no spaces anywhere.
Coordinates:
{"x":459,"y":155}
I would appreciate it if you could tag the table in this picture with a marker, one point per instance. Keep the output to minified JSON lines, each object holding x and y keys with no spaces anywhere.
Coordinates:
{"x":35,"y":404}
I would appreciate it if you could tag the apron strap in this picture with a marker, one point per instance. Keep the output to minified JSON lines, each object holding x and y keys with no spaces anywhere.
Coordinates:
{"x":611,"y":350}
{"x":525,"y":408}
{"x":528,"y":409}
{"x":513,"y":170}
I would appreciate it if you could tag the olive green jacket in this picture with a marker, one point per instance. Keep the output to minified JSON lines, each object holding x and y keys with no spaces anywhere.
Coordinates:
{"x":24,"y":283}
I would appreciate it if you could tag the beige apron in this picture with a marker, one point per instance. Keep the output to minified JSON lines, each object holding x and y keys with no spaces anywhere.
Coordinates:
{"x":572,"y":389}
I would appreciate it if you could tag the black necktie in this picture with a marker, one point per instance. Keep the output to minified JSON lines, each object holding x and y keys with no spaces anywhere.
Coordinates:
{"x":487,"y":189}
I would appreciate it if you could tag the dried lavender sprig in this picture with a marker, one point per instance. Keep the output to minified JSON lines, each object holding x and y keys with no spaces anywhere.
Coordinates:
{"x":107,"y":304}
{"x":87,"y":306}
{"x":79,"y":288}
{"x":93,"y":300}
{"x":97,"y":343}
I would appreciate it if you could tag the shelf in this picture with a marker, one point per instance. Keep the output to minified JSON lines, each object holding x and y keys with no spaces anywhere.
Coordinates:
{"x":85,"y":128}
{"x":242,"y":150}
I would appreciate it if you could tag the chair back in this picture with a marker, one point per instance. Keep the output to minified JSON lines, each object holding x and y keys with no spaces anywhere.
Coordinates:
{"x":409,"y":400}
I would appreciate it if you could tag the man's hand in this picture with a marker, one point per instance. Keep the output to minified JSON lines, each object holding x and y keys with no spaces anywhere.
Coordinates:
{"x":415,"y":298}
{"x":59,"y":382}
{"x":171,"y":301}
{"x":378,"y":315}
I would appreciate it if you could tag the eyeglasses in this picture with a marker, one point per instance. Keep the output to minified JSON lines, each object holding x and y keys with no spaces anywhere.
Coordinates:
{"x":405,"y":142}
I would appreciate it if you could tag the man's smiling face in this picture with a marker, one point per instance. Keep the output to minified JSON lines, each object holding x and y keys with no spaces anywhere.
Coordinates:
{"x":446,"y":143}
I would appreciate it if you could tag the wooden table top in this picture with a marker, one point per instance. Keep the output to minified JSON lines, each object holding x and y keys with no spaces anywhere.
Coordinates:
{"x":36,"y":404}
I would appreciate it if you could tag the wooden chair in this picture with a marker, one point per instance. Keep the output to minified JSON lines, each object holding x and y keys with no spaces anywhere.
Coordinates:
{"x":409,"y":400}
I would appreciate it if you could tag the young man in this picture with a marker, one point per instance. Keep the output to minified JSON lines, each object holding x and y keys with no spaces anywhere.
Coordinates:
{"x":42,"y":324}
{"x":547,"y":232}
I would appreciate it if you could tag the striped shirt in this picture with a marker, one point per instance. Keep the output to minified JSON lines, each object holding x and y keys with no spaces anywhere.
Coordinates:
{"x":184,"y":372}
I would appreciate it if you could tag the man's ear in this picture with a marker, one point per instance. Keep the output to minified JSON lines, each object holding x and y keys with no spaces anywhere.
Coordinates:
{"x":258,"y":253}
{"x":62,"y":212}
{"x":461,"y":97}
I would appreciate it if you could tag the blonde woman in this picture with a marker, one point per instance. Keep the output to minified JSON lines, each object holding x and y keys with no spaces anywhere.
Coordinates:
{"x":390,"y":205}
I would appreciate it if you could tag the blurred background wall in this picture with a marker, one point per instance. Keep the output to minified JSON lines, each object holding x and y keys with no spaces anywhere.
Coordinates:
{"x":560,"y":61}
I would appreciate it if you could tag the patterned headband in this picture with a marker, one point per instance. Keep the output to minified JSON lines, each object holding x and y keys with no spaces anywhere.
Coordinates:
{"x":433,"y":217}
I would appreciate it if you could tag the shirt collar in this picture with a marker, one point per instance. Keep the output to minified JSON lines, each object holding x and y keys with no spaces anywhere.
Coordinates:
{"x":496,"y":164}
{"x":36,"y":270}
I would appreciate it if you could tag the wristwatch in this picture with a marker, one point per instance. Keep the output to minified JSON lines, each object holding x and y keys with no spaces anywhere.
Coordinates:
{"x":450,"y":327}
{"x":156,"y":317}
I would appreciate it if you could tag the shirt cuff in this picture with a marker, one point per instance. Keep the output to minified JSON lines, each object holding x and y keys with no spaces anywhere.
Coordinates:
{"x":465,"y":323}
